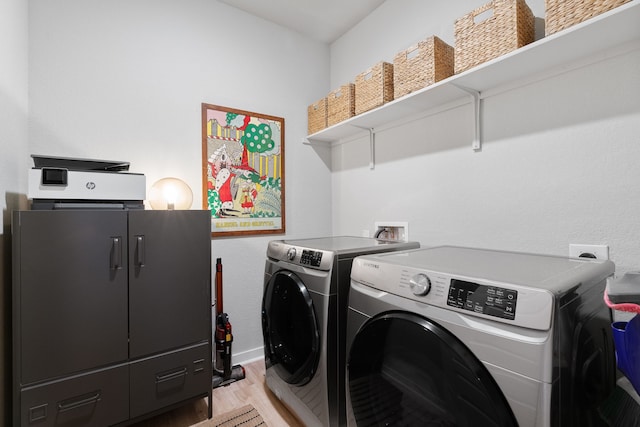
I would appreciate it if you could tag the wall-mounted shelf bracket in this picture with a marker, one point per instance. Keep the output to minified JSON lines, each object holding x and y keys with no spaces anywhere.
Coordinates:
{"x":476,"y":144}
{"x":316,"y":142}
{"x":372,"y":146}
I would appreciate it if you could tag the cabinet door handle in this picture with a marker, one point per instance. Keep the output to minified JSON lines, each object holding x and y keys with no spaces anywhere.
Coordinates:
{"x":140,"y":251}
{"x":78,"y":402}
{"x":116,"y":253}
{"x":172,"y":375}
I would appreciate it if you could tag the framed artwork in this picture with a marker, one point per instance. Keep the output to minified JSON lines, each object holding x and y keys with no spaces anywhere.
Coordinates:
{"x":242,"y":171}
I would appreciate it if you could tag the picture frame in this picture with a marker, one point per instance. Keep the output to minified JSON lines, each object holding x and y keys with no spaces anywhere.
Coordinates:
{"x":243,"y":178}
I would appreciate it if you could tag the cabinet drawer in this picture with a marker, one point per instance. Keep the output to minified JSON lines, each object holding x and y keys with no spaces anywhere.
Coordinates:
{"x":170,"y":378}
{"x":98,"y":399}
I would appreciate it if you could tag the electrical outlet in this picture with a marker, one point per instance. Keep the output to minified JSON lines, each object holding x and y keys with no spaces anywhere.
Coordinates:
{"x":392,"y":230}
{"x":588,"y":251}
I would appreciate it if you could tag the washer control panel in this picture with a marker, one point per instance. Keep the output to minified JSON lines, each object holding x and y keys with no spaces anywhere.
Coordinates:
{"x":303,"y":256}
{"x":489,"y":300}
{"x":420,"y":284}
{"x":311,"y":258}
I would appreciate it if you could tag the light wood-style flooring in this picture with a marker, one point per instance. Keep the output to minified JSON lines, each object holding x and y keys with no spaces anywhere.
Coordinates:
{"x":251,"y":390}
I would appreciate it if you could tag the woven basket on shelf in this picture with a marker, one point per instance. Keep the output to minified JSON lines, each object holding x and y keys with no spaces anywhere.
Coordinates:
{"x":374,"y":87}
{"x":492,"y":30}
{"x":317,"y":116}
{"x":341,"y":104}
{"x":561,"y":14}
{"x":421,"y":65}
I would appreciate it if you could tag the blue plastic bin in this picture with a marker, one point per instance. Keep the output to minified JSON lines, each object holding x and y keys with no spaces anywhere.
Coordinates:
{"x":626,"y":336}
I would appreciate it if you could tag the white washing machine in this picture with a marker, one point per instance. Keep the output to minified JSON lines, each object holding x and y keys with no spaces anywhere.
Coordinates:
{"x":452,"y":336}
{"x":304,"y":311}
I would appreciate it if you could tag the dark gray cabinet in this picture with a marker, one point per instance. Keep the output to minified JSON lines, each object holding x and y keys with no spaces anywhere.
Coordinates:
{"x":111,"y":314}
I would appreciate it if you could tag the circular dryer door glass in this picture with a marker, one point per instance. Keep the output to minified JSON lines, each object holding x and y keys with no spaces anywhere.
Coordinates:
{"x":405,"y":370}
{"x":290,"y":328}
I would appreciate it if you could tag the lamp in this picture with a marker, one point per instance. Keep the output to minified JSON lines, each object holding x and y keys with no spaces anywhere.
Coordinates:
{"x":170,"y":193}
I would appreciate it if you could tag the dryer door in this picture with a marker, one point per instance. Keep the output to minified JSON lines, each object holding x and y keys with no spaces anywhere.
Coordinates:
{"x":290,"y":328}
{"x":406,"y":370}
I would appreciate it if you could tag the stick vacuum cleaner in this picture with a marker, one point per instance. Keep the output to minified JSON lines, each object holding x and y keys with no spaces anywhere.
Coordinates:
{"x":223,"y":372}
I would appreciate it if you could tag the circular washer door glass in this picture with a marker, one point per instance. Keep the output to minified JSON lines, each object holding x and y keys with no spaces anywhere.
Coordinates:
{"x":404,"y":370}
{"x":290,"y":328}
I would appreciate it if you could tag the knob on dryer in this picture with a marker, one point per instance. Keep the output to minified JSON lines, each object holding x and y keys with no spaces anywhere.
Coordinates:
{"x":291,"y":254}
{"x":420,"y":284}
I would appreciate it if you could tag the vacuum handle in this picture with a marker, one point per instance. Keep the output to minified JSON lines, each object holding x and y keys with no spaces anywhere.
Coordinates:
{"x":219,"y":307}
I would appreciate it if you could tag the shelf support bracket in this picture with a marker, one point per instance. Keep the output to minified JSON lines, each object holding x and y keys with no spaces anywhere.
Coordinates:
{"x":476,"y":144}
{"x":372,"y":146}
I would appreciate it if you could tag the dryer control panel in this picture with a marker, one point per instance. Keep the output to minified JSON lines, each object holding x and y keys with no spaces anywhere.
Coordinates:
{"x":498,"y":301}
{"x":514,"y":288}
{"x":489,"y":300}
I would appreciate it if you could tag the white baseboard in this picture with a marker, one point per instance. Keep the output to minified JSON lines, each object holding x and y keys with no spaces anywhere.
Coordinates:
{"x":248,"y":356}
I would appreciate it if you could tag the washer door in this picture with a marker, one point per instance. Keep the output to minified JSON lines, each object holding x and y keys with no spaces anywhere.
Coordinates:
{"x":404,"y":370}
{"x":290,"y":328}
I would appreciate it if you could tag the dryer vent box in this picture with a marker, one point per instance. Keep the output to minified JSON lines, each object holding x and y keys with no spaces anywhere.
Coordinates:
{"x":392,"y":230}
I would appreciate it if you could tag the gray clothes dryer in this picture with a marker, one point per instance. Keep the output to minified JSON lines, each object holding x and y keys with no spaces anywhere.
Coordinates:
{"x":304,"y":311}
{"x":452,"y":336}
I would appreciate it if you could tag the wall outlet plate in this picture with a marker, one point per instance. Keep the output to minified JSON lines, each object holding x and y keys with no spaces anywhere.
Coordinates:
{"x":588,"y":251}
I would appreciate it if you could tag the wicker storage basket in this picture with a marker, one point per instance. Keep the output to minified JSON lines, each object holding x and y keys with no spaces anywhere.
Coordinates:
{"x":511,"y":25}
{"x":561,"y":14}
{"x":341,"y":104}
{"x":421,"y":65}
{"x":317,"y":116}
{"x":374,"y":87}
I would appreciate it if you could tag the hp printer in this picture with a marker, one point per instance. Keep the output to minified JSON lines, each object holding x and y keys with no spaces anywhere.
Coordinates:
{"x":71,"y":183}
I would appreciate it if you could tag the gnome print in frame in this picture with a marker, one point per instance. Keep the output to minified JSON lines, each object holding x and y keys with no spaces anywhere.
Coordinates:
{"x":243,"y":171}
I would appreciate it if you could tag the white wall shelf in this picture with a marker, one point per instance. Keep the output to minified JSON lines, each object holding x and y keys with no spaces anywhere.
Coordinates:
{"x":582,"y":41}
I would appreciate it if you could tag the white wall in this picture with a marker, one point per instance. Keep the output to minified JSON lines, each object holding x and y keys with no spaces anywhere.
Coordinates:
{"x":13,"y":146}
{"x":125,"y":80}
{"x":559,"y":162}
